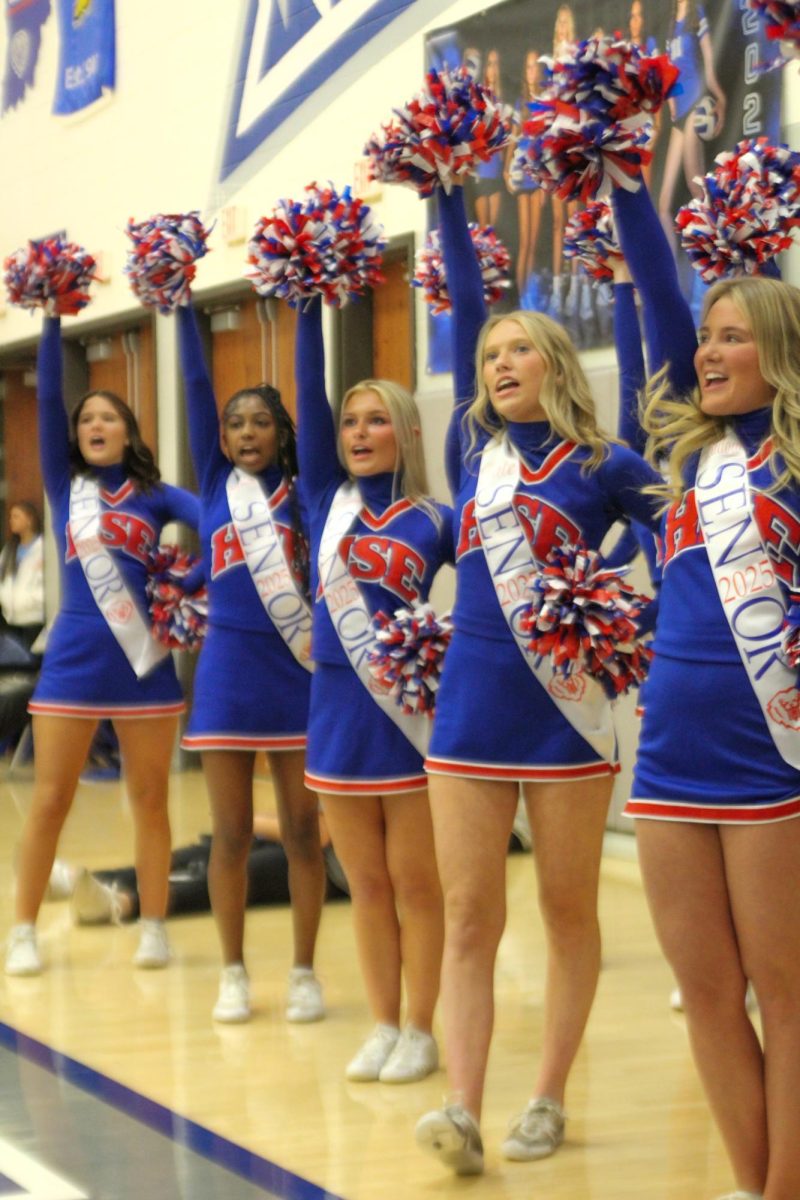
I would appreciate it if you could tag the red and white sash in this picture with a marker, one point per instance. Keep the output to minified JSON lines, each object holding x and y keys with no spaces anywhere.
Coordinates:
{"x":111,"y":594}
{"x":350,"y":615}
{"x":748,"y":588}
{"x":284,"y":603}
{"x":511,"y":565}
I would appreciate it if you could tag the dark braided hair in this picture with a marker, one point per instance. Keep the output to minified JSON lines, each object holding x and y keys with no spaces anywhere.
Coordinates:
{"x":286,"y":461}
{"x":137,"y":459}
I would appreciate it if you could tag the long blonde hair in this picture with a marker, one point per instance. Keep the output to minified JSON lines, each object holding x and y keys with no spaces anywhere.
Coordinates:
{"x":411,"y":476}
{"x":676,"y":426}
{"x":565,"y":395}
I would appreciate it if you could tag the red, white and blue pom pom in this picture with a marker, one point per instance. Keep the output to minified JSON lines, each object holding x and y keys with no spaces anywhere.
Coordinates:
{"x":328,"y":244}
{"x":781,"y":19}
{"x":791,"y":633}
{"x":590,"y":236}
{"x":440,"y":136}
{"x":748,"y":213}
{"x":52,"y":274}
{"x":179,"y":618}
{"x":161,"y":262}
{"x":408,"y":656}
{"x":493,"y":259}
{"x":583,"y":617}
{"x":592,"y":125}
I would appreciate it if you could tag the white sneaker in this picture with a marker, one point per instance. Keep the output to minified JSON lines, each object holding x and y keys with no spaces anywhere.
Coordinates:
{"x":368,"y":1062}
{"x":415,"y":1056}
{"x":61,"y":883}
{"x":233,"y":1002}
{"x":304,"y":1001}
{"x":22,"y":952}
{"x":154,"y":951}
{"x":537,"y":1132}
{"x":95,"y":903}
{"x":452,"y":1135}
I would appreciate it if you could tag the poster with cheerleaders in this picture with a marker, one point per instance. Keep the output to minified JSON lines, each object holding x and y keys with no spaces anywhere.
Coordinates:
{"x":726,"y":93}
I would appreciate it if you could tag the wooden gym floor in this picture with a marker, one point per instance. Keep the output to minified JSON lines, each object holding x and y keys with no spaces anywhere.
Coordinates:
{"x":110,"y":1053}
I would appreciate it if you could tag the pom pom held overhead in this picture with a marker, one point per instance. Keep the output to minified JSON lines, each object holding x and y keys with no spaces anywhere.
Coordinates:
{"x":52,"y":274}
{"x":493,"y":259}
{"x":162,"y":258}
{"x":328,"y":244}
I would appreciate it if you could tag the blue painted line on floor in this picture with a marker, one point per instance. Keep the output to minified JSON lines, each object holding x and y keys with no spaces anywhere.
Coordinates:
{"x":8,"y":1187}
{"x":210,"y":1145}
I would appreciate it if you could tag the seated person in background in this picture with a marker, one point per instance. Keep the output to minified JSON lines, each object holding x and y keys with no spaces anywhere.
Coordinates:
{"x":22,"y":575}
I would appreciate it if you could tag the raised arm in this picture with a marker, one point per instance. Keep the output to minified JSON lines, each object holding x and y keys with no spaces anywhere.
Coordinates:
{"x":316,"y":432}
{"x":201,"y":404}
{"x":465,"y":286}
{"x":630,"y":361}
{"x":53,"y":422}
{"x":669,"y":328}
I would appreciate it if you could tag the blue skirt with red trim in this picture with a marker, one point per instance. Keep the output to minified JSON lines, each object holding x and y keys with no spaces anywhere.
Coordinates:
{"x":250,"y":693}
{"x":705,"y":753}
{"x":85,"y":674}
{"x":494,"y":720}
{"x":353,"y":747}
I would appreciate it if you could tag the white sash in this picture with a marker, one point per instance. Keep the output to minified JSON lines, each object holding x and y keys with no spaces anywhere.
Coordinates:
{"x":748,"y":589}
{"x":350,"y":615}
{"x":511,"y":565}
{"x":284,"y":603}
{"x":111,"y":594}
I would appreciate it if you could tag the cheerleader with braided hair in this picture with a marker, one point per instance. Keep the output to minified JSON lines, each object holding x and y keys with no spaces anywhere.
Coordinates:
{"x":252,"y":684}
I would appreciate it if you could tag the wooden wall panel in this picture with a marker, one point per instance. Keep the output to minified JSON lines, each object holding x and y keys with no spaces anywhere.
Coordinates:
{"x":22,"y":473}
{"x":130,"y":371}
{"x":393,"y":325}
{"x":259,"y":350}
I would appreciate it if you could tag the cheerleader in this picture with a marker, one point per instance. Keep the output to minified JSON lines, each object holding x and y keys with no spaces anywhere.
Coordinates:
{"x":530,"y":197}
{"x":377,"y":541}
{"x":101,"y":660}
{"x":534,"y":473}
{"x":717,"y":784}
{"x":690,"y":48}
{"x":256,"y":562}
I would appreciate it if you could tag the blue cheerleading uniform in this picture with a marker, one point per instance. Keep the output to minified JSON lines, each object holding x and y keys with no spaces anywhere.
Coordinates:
{"x":521,"y":114}
{"x":250,"y":692}
{"x":85,"y":671}
{"x":705,"y":752}
{"x":494,"y":720}
{"x":393,"y":550}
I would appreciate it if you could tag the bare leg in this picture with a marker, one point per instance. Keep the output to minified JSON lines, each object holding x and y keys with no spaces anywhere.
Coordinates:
{"x":298,"y":810}
{"x":472,"y":822}
{"x":358,"y":833}
{"x":685,"y":878}
{"x":672,"y":167}
{"x":61,"y":745}
{"x":762,"y":866}
{"x":567,"y":823}
{"x":412,"y":866}
{"x":524,"y":231}
{"x":146,"y":748}
{"x":229,"y":777}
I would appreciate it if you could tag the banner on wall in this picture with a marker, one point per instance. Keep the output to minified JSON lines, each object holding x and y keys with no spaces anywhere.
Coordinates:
{"x":295,"y":56}
{"x":87,"y":60}
{"x":721,"y":50}
{"x":24,"y":21}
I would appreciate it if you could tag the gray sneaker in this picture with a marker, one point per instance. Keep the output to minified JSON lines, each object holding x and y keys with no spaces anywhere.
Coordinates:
{"x":451,"y":1134}
{"x":537,"y":1132}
